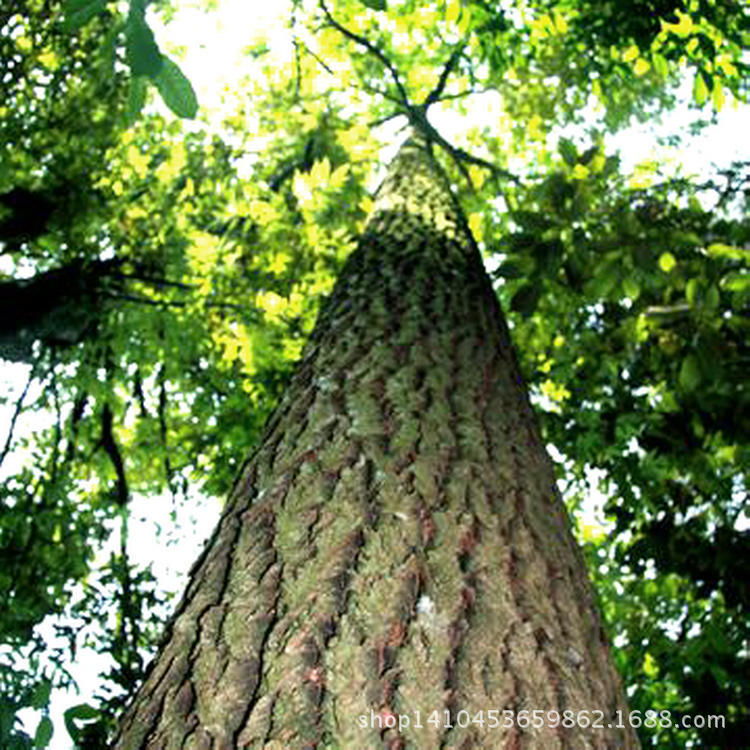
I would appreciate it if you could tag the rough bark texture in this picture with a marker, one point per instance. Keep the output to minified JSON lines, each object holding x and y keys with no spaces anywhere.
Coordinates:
{"x":397,"y":545}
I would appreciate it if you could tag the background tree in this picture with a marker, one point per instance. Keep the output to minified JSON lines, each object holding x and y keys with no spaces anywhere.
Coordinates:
{"x":627,"y":295}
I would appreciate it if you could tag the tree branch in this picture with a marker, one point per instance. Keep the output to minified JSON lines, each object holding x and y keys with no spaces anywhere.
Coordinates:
{"x":437,"y":92}
{"x":174,"y":303}
{"x":418,"y":119}
{"x":417,"y":114}
{"x":112,"y":450}
{"x":372,"y":49}
{"x":16,"y":413}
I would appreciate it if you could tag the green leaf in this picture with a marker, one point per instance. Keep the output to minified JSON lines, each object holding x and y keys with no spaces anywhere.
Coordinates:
{"x":510,"y":270}
{"x":660,"y":64}
{"x":650,"y":667}
{"x":176,"y":91}
{"x":708,"y":350}
{"x":43,"y":733}
{"x":667,"y":262}
{"x":606,"y":278}
{"x":548,"y":255}
{"x":631,"y":287}
{"x":720,"y":250}
{"x":375,"y":4}
{"x":711,"y":300}
{"x":105,"y":67}
{"x":136,"y":98}
{"x":668,"y":402}
{"x":81,"y":712}
{"x":717,"y":95}
{"x":79,"y":12}
{"x":141,"y":50}
{"x":736,"y":281}
{"x":690,"y":373}
{"x":568,"y":151}
{"x":692,"y":289}
{"x":700,"y":89}
{"x":40,"y":697}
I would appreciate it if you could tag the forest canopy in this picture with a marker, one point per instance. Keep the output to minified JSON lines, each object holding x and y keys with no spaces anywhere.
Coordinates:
{"x":162,"y":263}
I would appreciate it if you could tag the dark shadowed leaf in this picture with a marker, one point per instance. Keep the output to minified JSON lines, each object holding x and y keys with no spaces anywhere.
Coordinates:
{"x":82,"y":712}
{"x":142,"y":51}
{"x":568,"y":151}
{"x":607,"y":276}
{"x":510,"y":270}
{"x":690,"y":373}
{"x":40,"y":697}
{"x":79,"y":12}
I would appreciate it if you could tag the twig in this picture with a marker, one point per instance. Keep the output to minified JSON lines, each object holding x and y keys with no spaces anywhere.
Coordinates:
{"x":154,"y":280}
{"x":163,"y":431}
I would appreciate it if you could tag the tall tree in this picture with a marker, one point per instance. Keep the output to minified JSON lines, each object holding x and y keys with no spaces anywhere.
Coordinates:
{"x":160,"y":283}
{"x":396,"y":546}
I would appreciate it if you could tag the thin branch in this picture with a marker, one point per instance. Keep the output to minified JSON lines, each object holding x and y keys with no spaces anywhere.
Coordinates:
{"x":165,"y":303}
{"x":667,"y":311}
{"x":138,"y":392}
{"x":463,"y":94}
{"x":16,"y":413}
{"x":58,"y":430}
{"x":297,"y":63}
{"x":75,"y":417}
{"x":364,"y":86}
{"x":163,"y":431}
{"x":298,"y":73}
{"x":113,"y":451}
{"x":315,"y":56}
{"x":382,"y":120}
{"x":459,"y":155}
{"x":418,"y":120}
{"x":372,"y":49}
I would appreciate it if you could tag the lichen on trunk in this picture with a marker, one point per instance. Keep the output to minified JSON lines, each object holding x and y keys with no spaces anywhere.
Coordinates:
{"x":396,"y":547}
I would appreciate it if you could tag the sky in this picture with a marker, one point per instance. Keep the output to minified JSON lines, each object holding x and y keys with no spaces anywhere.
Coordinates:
{"x":213,"y":44}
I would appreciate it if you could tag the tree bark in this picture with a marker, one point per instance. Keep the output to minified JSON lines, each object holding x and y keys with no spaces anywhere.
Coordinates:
{"x":397,"y":547}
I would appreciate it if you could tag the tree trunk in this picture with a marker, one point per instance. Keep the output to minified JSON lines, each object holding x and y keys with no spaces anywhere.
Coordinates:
{"x":396,"y":550}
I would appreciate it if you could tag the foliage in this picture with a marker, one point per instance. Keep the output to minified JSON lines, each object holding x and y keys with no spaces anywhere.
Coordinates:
{"x":142,"y":55}
{"x":194,"y":261}
{"x":643,"y":377}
